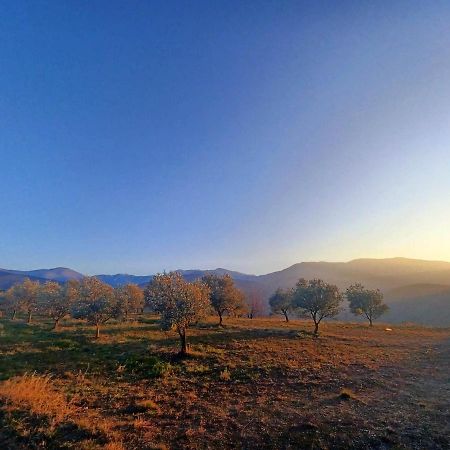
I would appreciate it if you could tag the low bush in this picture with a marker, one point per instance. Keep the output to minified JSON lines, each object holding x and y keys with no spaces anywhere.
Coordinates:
{"x":147,"y":366}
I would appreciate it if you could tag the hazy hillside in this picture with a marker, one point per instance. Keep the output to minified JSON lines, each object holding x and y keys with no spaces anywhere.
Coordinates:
{"x":60,"y":274}
{"x":8,"y":278}
{"x":416,"y":290}
{"x":422,"y":303}
{"x":375,"y":273}
{"x":123,"y":278}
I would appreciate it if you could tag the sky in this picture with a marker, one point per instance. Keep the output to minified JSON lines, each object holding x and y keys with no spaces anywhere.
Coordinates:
{"x":137,"y":137}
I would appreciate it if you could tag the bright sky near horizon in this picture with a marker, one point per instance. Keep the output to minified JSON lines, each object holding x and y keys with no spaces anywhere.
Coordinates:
{"x":142,"y":136}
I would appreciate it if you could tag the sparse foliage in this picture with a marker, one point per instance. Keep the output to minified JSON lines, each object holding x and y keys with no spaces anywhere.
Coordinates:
{"x":225,"y":297}
{"x":97,"y":303}
{"x":23,"y":297}
{"x":255,"y":305}
{"x":367,"y":302}
{"x":318,"y":300}
{"x":130,"y":298}
{"x":9,"y":303}
{"x":180,"y":303}
{"x":281,"y":302}
{"x":57,"y":300}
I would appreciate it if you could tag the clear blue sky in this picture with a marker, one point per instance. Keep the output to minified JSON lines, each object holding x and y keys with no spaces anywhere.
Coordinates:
{"x":142,"y":136}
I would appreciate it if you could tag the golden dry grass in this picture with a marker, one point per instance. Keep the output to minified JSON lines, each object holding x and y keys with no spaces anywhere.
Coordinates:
{"x":36,"y":394}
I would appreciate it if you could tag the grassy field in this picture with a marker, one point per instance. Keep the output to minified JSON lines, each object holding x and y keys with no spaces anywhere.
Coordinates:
{"x":257,"y":383}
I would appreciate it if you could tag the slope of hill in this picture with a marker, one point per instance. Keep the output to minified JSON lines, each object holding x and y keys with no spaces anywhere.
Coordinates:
{"x":7,"y":279}
{"x":384,"y":274}
{"x":122,"y":278}
{"x":427,"y":304}
{"x":59,"y":274}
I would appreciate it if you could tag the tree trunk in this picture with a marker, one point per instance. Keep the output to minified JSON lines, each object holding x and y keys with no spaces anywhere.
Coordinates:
{"x":56,"y":325}
{"x":220,"y":320}
{"x":286,"y":316}
{"x":13,"y":317}
{"x":370,"y":322}
{"x":183,"y":349}
{"x":316,"y":328}
{"x":29,"y":317}
{"x":97,"y":331}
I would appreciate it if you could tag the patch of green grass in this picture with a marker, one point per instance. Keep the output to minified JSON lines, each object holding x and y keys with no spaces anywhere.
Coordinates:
{"x":147,"y":366}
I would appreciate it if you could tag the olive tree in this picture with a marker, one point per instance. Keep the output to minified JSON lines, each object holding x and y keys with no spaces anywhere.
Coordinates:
{"x":23,"y":297}
{"x":180,"y":303}
{"x":10,"y":302}
{"x":367,"y":302}
{"x":56,"y":300}
{"x":96,"y":303}
{"x":318,"y":300}
{"x":281,"y":302}
{"x":224,"y":296}
{"x":130,"y":298}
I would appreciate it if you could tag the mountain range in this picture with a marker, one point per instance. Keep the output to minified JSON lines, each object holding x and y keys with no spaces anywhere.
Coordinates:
{"x":416,"y":290}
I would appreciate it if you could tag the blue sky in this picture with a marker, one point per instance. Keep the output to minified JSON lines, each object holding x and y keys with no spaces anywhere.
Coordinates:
{"x":142,"y":136}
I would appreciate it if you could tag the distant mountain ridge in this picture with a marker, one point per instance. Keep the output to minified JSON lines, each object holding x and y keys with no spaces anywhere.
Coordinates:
{"x":59,"y":274}
{"x":417,"y":290}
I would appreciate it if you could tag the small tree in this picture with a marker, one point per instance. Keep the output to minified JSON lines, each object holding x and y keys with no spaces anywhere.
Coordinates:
{"x":317,"y":299}
{"x":225,"y":297}
{"x":24,"y":297}
{"x":281,"y":302}
{"x":254,"y":305}
{"x":130,"y":298}
{"x":366,"y":302}
{"x":97,"y":303}
{"x":57,"y":300}
{"x":10,"y":303}
{"x":181,"y":304}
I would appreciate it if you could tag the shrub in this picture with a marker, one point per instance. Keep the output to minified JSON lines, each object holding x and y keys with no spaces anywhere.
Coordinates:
{"x":148,"y":366}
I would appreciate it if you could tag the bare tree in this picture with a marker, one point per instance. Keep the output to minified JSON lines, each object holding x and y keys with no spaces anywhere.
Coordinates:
{"x":281,"y":302}
{"x":57,"y":300}
{"x":318,"y":299}
{"x":225,"y":297}
{"x":366,"y":302}
{"x":97,"y":303}
{"x":130,"y":298}
{"x":181,"y":304}
{"x":255,"y":305}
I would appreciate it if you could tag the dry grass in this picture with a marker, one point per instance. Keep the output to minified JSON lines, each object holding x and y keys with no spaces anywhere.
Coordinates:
{"x":36,"y":394}
{"x":255,"y":384}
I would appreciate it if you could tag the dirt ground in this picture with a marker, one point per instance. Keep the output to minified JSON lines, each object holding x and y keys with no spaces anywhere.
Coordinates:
{"x":259,"y":383}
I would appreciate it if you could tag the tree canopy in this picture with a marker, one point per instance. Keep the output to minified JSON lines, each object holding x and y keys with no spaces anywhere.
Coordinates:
{"x":225,"y":297}
{"x":317,"y":299}
{"x":367,"y":302}
{"x":281,"y":302}
{"x":24,"y":297}
{"x":97,"y":303}
{"x":180,"y":303}
{"x":130,"y":298}
{"x":57,"y":300}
